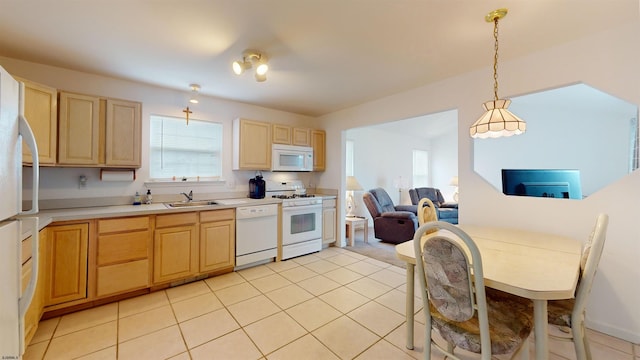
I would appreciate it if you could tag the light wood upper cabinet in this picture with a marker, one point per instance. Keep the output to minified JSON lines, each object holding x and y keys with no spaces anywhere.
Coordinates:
{"x":66,"y":258}
{"x":123,"y":133}
{"x":79,"y":129}
{"x":99,"y":132}
{"x":318,"y":142}
{"x":281,"y":134}
{"x":41,"y":112}
{"x":284,"y":134}
{"x":251,"y":145}
{"x":301,"y":137}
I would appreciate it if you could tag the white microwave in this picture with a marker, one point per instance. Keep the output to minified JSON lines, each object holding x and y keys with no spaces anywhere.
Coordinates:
{"x":291,"y":158}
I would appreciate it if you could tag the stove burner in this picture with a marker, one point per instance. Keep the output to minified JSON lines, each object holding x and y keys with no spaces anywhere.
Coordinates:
{"x":294,"y":196}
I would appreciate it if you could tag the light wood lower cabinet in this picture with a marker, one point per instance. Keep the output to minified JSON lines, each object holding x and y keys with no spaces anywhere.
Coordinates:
{"x":114,"y":257}
{"x":328,"y":221}
{"x":124,"y":248}
{"x":217,"y":240}
{"x":66,"y":263}
{"x":175,"y":247}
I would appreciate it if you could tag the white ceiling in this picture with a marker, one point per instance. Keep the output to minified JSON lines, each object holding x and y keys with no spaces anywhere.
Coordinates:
{"x":325,"y":55}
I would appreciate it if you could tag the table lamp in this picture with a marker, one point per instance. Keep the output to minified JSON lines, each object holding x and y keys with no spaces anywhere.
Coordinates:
{"x":352,"y":185}
{"x":454,"y":183}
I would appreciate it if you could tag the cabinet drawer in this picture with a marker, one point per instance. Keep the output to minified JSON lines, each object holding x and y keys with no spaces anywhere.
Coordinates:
{"x":330,"y":203}
{"x":26,"y":249}
{"x":123,"y":224}
{"x":217,"y":215}
{"x":176,"y":219}
{"x":122,"y":247}
{"x":123,"y":277}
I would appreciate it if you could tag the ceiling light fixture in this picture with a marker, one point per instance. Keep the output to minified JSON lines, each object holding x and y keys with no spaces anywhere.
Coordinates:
{"x":497,"y":121}
{"x":194,"y":93}
{"x":252,"y":58}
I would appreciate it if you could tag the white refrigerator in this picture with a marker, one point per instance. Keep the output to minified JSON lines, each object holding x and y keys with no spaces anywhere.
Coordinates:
{"x":13,"y":301}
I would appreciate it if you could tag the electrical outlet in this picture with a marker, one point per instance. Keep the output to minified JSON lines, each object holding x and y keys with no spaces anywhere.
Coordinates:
{"x":82,"y":182}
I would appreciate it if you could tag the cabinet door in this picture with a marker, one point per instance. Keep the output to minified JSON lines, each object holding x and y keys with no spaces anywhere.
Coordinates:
{"x":122,"y":142}
{"x":79,"y":131}
{"x":252,"y":145}
{"x":281,"y":134}
{"x":175,"y":253}
{"x":217,"y":245}
{"x":301,"y":137}
{"x":328,"y":225}
{"x":66,"y":263}
{"x":318,"y":142}
{"x":41,"y":111}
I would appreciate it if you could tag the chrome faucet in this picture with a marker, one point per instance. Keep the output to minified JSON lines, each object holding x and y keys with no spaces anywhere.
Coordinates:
{"x":189,"y":196}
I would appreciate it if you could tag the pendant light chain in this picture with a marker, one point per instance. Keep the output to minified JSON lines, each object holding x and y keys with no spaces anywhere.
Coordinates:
{"x":495,"y":59}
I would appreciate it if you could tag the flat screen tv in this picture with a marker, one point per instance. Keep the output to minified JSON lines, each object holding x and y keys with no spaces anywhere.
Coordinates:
{"x":553,"y":183}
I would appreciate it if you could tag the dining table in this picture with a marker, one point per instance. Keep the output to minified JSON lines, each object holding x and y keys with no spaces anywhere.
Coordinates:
{"x":531,"y":264}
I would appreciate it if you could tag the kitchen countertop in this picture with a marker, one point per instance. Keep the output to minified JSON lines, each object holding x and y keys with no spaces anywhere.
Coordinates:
{"x":46,"y":217}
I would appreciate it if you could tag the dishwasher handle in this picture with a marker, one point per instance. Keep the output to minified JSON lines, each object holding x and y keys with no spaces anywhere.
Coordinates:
{"x":248,"y":212}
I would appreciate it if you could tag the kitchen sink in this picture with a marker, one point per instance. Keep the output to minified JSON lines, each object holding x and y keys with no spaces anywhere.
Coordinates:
{"x":180,"y":204}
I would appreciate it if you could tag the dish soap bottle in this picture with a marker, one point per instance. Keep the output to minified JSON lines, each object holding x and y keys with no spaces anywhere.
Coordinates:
{"x":149,"y":197}
{"x":136,"y":199}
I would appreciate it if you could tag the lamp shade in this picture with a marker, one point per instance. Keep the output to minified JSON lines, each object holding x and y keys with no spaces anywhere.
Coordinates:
{"x":497,"y":121}
{"x":454,"y":181}
{"x":353,"y":184}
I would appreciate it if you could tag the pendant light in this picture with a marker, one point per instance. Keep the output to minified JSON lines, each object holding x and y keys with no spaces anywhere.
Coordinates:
{"x":497,"y":121}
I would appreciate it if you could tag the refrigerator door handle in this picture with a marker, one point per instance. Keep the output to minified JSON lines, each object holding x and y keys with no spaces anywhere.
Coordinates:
{"x":30,"y":140}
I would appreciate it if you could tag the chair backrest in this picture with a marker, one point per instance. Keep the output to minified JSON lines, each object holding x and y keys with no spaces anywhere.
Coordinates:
{"x":426,"y":212}
{"x":432,"y":194}
{"x":591,"y":254}
{"x":444,"y":263}
{"x":384,"y":200}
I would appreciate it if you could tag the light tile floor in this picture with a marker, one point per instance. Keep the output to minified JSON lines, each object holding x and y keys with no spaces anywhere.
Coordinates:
{"x":335,"y":304}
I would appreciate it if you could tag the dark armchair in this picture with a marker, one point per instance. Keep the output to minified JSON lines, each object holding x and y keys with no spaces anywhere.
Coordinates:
{"x":393,"y":224}
{"x":446,"y":212}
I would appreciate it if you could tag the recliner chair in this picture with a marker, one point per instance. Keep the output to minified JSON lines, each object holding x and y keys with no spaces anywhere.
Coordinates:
{"x":446,"y":212}
{"x":393,"y":224}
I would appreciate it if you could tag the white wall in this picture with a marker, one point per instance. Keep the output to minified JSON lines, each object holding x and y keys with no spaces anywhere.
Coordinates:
{"x":607,"y":61}
{"x":600,"y":148}
{"x":62,"y":183}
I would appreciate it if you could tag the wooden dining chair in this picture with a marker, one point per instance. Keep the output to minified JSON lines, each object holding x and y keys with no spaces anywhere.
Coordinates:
{"x":464,"y":314}
{"x":426,"y":212}
{"x":571,"y":313}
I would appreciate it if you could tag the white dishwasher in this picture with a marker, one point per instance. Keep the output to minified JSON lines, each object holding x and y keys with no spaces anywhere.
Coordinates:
{"x":256,"y":234}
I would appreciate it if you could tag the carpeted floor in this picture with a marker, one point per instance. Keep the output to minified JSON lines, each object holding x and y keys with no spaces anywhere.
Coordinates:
{"x":375,"y":248}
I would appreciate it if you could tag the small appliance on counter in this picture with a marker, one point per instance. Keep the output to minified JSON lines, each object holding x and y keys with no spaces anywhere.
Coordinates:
{"x":257,"y":187}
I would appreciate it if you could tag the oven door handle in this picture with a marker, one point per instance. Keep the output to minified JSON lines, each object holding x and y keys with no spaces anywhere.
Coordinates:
{"x":301,"y":208}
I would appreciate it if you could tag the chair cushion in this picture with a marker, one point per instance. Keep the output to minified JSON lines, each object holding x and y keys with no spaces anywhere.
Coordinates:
{"x":559,"y":312}
{"x":385,"y":202}
{"x":448,"y":278}
{"x":510,"y":323}
{"x":432,"y":194}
